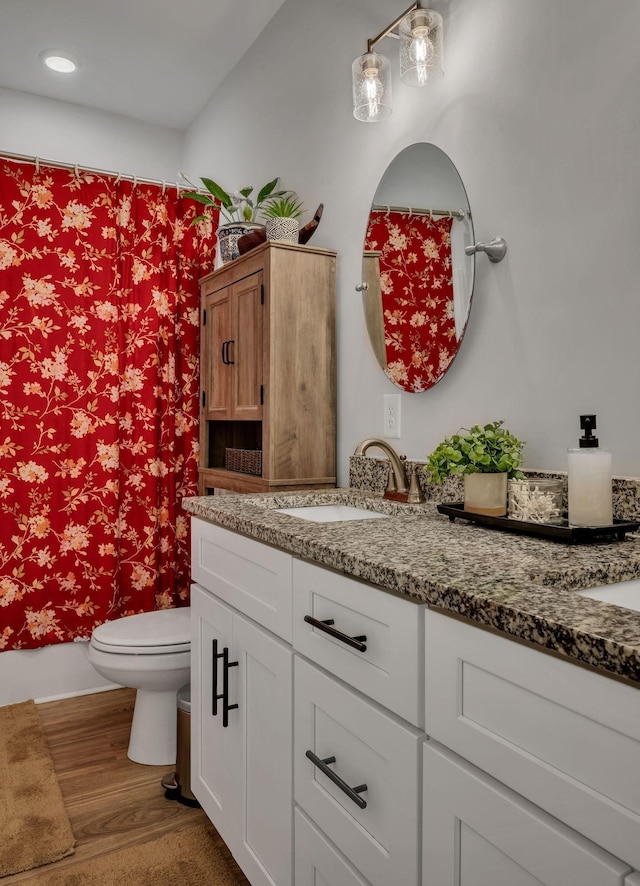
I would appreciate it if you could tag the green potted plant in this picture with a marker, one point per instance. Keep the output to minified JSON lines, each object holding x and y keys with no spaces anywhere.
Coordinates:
{"x":486,"y":457}
{"x":240,"y":208}
{"x":282,"y":213}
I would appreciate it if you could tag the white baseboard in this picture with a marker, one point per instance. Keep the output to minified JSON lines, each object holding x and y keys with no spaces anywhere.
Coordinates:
{"x":52,"y":672}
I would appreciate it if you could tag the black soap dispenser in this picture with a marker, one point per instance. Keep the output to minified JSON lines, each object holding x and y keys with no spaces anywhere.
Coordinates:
{"x":590,"y":489}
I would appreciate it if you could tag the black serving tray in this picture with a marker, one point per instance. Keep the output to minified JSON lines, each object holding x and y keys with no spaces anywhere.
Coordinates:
{"x":555,"y":531}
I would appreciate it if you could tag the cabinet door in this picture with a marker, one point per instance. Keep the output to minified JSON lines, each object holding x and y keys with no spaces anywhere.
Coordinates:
{"x":264,"y":739}
{"x":241,"y":762}
{"x":245,"y":350}
{"x":476,"y":832}
{"x":212,"y":746}
{"x":216,"y":369}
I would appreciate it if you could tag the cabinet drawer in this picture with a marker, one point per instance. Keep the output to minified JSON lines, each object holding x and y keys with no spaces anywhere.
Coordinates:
{"x":566,"y":738}
{"x":371,"y":747}
{"x":478,"y":832}
{"x":317,"y":861}
{"x":249,"y":575}
{"x":390,"y":669}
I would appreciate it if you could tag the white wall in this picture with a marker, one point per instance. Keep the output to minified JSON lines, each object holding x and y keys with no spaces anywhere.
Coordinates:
{"x":539,"y":111}
{"x":67,"y":133}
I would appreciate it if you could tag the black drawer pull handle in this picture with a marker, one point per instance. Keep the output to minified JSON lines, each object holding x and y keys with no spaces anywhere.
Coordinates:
{"x":230,"y":362}
{"x":356,"y":642}
{"x":352,"y":793}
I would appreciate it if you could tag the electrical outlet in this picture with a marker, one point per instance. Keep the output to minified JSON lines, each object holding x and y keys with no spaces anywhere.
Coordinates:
{"x":391,"y":422}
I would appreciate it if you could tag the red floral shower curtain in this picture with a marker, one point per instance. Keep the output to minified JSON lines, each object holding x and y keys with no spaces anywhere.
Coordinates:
{"x":98,"y":398}
{"x":417,"y":295}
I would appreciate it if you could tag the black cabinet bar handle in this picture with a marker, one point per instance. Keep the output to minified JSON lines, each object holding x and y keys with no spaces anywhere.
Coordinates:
{"x":231,"y":341}
{"x":356,"y":642}
{"x":224,"y":695}
{"x":214,"y":678}
{"x":226,"y":707}
{"x":352,"y":793}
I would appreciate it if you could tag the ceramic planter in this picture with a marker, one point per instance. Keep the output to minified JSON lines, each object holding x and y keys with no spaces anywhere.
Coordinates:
{"x":228,"y":236}
{"x":486,"y":494}
{"x":283,"y":229}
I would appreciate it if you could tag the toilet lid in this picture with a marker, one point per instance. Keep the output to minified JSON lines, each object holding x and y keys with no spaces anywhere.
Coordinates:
{"x":150,"y":633}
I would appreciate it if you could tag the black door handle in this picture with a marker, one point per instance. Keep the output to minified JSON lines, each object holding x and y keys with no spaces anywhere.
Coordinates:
{"x":325,"y":626}
{"x":352,"y":793}
{"x":231,"y":341}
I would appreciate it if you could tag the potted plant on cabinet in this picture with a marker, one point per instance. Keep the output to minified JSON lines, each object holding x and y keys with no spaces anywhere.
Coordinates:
{"x":240,"y":209}
{"x":282,"y":214}
{"x":486,"y":457}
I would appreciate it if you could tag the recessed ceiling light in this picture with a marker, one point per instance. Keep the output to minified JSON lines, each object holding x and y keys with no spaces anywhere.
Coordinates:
{"x":56,"y":61}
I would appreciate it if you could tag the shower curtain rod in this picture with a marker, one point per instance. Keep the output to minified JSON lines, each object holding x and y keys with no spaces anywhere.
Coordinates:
{"x":460,"y":214}
{"x":78,"y":168}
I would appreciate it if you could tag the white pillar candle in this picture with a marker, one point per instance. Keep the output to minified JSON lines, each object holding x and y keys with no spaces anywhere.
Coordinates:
{"x":590,"y":494}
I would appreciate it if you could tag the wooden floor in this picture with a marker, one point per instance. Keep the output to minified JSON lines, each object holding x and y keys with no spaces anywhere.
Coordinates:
{"x":111,"y":802}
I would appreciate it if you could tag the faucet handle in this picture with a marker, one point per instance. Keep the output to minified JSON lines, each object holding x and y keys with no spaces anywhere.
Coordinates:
{"x":391,"y":482}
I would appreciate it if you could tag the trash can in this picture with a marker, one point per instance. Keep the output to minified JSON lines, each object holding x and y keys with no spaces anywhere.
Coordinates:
{"x":177,"y":785}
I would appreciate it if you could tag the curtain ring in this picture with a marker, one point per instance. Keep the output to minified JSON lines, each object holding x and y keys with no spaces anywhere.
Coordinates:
{"x":431,"y":215}
{"x":135,"y":181}
{"x":388,"y":210}
{"x":118,"y":177}
{"x":450,"y":214}
{"x":77,"y":171}
{"x":164,"y":187}
{"x":37,"y":164}
{"x":410,"y":212}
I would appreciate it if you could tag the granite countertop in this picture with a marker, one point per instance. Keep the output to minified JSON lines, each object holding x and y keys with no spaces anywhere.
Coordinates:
{"x":520,"y":585}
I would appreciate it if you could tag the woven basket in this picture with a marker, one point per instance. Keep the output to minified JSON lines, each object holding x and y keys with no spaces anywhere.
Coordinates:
{"x":246,"y":461}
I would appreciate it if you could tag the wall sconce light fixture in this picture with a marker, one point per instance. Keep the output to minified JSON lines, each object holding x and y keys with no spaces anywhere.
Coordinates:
{"x":421,"y":55}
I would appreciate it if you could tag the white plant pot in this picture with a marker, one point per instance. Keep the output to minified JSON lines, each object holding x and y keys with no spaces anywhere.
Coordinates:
{"x":486,"y":494}
{"x":284,"y":230}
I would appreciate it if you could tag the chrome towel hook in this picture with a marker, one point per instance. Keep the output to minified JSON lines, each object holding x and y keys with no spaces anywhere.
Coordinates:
{"x":496,"y":249}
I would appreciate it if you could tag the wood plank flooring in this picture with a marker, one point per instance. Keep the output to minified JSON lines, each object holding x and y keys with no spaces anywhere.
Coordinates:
{"x":111,"y":802}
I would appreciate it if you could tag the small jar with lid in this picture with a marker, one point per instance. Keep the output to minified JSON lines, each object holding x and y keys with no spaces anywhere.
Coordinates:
{"x":536,"y":500}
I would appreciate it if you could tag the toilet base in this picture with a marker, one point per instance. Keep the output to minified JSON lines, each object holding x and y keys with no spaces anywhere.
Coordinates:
{"x":153,"y":729}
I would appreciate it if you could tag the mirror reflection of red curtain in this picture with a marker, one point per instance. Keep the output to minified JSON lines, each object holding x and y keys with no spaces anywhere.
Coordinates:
{"x":417,"y":295}
{"x":99,"y":396}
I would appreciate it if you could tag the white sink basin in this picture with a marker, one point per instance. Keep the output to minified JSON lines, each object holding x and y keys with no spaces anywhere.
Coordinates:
{"x":623,"y":593}
{"x":331,"y":513}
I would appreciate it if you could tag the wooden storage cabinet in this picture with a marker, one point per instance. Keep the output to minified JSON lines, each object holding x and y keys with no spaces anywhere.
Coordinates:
{"x":268,"y":371}
{"x":478,"y":833}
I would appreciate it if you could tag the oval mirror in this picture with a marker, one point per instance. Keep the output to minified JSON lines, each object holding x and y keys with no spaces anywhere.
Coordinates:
{"x":419,"y":282}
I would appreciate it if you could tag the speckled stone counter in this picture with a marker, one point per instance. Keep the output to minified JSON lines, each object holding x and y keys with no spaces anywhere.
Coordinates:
{"x":519,"y":585}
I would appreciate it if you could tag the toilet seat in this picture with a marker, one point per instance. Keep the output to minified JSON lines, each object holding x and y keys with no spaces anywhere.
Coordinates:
{"x":149,"y":633}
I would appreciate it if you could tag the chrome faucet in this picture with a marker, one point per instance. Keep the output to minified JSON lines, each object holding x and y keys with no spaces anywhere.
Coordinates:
{"x":397,"y":487}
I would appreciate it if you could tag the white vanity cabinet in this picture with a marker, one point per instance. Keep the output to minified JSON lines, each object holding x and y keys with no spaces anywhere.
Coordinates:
{"x":563,"y":739}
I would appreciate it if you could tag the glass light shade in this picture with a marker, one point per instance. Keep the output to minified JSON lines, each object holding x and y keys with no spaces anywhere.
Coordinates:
{"x":371,"y":80}
{"x":421,"y":46}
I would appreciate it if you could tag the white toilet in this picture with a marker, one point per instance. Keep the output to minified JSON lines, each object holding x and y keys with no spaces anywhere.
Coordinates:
{"x":150,"y":652}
